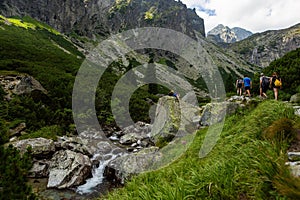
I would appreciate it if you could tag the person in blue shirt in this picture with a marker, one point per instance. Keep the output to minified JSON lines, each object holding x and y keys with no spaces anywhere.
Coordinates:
{"x":173,"y":94}
{"x":247,"y":84}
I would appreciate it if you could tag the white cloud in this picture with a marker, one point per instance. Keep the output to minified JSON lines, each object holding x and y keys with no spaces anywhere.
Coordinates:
{"x":253,"y":15}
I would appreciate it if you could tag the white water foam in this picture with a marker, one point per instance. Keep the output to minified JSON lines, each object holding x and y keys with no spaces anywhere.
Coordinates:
{"x":97,"y":178}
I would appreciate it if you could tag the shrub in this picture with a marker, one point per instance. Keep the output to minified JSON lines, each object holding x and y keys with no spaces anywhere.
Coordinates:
{"x":279,"y":130}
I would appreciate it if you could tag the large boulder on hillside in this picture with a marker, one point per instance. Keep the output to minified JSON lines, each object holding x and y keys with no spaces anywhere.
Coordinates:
{"x":40,"y":147}
{"x":167,"y":120}
{"x":28,"y":84}
{"x":215,"y":112}
{"x":123,"y":168}
{"x":68,"y":169}
{"x":173,"y":118}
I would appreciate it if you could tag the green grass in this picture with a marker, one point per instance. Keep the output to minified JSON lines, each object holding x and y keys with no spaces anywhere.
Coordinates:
{"x":241,"y":166}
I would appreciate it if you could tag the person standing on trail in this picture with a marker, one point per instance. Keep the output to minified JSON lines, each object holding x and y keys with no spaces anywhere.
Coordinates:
{"x":264,"y":84}
{"x":247,"y":84}
{"x":239,"y":86}
{"x":275,"y":82}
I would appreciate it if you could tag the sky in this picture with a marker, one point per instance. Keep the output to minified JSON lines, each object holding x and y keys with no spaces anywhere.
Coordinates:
{"x":252,"y":15}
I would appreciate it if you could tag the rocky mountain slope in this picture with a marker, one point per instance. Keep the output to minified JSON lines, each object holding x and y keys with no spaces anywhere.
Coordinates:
{"x":223,"y":34}
{"x":262,"y":48}
{"x":94,"y":18}
{"x":99,"y":19}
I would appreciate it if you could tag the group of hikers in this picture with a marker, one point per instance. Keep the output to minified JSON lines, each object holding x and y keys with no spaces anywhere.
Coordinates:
{"x":273,"y":82}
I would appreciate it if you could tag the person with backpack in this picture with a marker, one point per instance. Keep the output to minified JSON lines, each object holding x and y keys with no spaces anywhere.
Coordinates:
{"x":247,"y":84}
{"x":264,"y":83}
{"x":239,"y":85}
{"x":275,"y":82}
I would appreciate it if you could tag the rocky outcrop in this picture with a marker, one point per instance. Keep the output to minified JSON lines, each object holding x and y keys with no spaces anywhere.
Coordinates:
{"x":100,"y":18}
{"x":214,"y":112}
{"x":20,"y":84}
{"x":123,"y":168}
{"x":167,"y":120}
{"x":68,"y":169}
{"x":40,"y":147}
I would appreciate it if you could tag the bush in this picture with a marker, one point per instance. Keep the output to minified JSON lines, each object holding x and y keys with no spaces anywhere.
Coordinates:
{"x":280,"y":130}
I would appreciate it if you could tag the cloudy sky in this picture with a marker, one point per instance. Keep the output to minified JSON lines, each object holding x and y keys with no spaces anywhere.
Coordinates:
{"x":253,"y":15}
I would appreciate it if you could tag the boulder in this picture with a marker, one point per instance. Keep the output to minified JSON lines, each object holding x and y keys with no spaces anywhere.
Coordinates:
{"x":295,"y":98}
{"x":39,"y":169}
{"x":68,"y":169}
{"x":123,"y":168}
{"x":40,"y":147}
{"x":297,"y":110}
{"x":173,"y":118}
{"x":75,"y":144}
{"x":28,"y":84}
{"x":167,"y":120}
{"x":215,"y":112}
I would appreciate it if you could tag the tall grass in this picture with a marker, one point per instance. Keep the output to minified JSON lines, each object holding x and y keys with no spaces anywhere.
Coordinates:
{"x":242,"y":165}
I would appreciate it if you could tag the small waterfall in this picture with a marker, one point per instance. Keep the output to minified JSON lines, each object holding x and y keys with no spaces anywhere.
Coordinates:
{"x":97,"y":178}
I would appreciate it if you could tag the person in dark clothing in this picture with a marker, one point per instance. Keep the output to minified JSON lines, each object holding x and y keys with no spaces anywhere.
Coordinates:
{"x":275,"y":87}
{"x":239,"y":86}
{"x":264,"y":83}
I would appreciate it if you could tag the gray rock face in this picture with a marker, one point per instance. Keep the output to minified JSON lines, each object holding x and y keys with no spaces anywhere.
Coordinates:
{"x":167,"y":121}
{"x":121,"y":169}
{"x":40,"y":147}
{"x":215,"y":112}
{"x":294,"y":163}
{"x":20,"y":84}
{"x":40,"y":169}
{"x":295,"y":98}
{"x":68,"y":169}
{"x":132,"y":134}
{"x":94,"y":17}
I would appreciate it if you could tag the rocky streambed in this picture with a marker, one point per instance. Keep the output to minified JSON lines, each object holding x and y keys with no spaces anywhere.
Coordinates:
{"x":91,"y":163}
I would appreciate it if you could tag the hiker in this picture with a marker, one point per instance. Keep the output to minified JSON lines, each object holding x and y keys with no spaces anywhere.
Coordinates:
{"x":239,"y":85}
{"x":264,"y":84}
{"x":173,"y":94}
{"x":275,"y":82}
{"x":247,"y":84}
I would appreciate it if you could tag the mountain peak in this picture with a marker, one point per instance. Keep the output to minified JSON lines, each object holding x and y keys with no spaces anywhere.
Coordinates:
{"x":224,"y":34}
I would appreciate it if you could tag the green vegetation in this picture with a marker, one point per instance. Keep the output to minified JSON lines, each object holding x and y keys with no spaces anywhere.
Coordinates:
{"x":47,"y":56}
{"x":13,"y":169}
{"x":243,"y":165}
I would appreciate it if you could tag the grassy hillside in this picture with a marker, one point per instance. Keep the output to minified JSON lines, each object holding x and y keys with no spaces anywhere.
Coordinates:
{"x":243,"y":165}
{"x":30,"y":47}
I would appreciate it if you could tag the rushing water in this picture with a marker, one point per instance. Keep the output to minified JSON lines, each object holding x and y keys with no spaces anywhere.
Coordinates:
{"x":89,"y":186}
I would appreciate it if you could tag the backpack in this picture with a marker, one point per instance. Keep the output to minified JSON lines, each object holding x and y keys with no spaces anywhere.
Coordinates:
{"x":265,"y":82}
{"x":240,"y":82}
{"x":277,"y":83}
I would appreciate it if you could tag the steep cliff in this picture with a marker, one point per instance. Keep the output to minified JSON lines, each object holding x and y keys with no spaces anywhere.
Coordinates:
{"x":95,"y":18}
